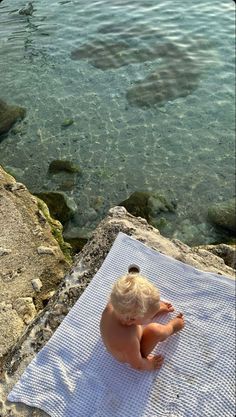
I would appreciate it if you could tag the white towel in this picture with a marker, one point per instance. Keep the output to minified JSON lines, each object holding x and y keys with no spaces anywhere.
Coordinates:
{"x":74,"y":376}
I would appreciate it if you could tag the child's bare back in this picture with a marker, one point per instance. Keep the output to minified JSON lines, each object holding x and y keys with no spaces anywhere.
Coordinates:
{"x":123,"y":332}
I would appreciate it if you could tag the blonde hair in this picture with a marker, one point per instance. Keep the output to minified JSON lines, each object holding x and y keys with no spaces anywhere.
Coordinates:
{"x":133,"y":296}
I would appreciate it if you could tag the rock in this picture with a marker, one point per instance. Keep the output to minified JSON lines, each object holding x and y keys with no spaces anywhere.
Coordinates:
{"x":56,"y":228}
{"x":224,"y":214}
{"x":86,"y":264}
{"x":47,"y":297}
{"x":14,"y":187}
{"x":43,"y":250}
{"x":27,"y":10}
{"x":18,"y":130}
{"x":91,"y":215}
{"x":77,"y":237}
{"x":21,"y":233}
{"x":150,"y":206}
{"x":226,"y":252}
{"x":118,"y":212}
{"x":137,"y":204}
{"x":60,"y":206}
{"x":25,"y":308}
{"x":165,"y":84}
{"x":9,"y":115}
{"x":68,"y":184}
{"x":67,"y":122}
{"x":158,"y":204}
{"x":36,"y":284}
{"x":11,"y":326}
{"x":97,"y":202}
{"x":62,"y":165}
{"x":4,"y":251}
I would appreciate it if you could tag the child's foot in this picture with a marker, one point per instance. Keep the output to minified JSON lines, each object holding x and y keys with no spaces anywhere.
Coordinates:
{"x":165,"y":307}
{"x":177,"y":323}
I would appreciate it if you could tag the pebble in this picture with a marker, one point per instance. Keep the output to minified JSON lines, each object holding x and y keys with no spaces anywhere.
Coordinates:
{"x":36,"y":284}
{"x":25,"y":308}
{"x":4,"y":251}
{"x":37,"y":231}
{"x":118,"y":211}
{"x":44,"y":250}
{"x":16,"y":186}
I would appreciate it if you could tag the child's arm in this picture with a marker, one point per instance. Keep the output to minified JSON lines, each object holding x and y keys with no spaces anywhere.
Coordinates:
{"x":135,"y":359}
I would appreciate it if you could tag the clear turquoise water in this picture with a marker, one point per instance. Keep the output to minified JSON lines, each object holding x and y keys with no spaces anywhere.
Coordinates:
{"x":179,"y":140}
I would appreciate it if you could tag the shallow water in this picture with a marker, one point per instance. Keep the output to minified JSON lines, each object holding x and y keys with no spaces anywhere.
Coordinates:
{"x":150,"y":87}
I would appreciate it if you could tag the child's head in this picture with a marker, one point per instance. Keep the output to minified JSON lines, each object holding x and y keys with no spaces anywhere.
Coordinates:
{"x":133,"y":297}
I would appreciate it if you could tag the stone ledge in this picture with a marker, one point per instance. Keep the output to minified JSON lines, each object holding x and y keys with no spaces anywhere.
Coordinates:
{"x":86,"y":265}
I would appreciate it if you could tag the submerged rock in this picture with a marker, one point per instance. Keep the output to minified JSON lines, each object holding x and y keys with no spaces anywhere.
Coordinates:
{"x":59,"y":165}
{"x":223,"y":214}
{"x":178,"y":79}
{"x":9,"y":115}
{"x":104,"y":54}
{"x":137,"y":204}
{"x":60,"y":206}
{"x":149,"y":206}
{"x":27,"y":10}
{"x":177,"y":71}
{"x":67,"y":122}
{"x":77,"y":237}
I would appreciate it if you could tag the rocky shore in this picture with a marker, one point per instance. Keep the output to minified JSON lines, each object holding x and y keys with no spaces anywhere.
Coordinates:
{"x":39,"y":286}
{"x":32,"y":263}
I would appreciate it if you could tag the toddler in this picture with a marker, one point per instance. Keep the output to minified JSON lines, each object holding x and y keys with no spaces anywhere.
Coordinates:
{"x":126,"y":324}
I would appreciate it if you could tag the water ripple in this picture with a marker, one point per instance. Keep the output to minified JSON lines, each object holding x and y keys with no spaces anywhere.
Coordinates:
{"x":151,"y":93}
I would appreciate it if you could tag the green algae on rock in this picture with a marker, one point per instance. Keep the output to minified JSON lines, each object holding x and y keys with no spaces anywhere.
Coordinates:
{"x":9,"y":116}
{"x":60,"y":206}
{"x":59,"y":165}
{"x":67,"y":122}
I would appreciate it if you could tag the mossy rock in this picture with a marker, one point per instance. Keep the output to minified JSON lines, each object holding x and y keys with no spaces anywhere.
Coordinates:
{"x":59,"y":165}
{"x":137,"y":204}
{"x":57,"y":230}
{"x":147,"y":205}
{"x":67,"y":122}
{"x":224,"y":214}
{"x":60,"y":206}
{"x":9,"y":115}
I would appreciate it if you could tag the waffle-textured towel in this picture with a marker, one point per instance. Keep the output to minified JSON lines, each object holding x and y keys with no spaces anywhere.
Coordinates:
{"x":73,"y":375}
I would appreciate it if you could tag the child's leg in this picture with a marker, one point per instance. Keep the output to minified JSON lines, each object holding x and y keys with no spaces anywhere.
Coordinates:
{"x":155,"y":333}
